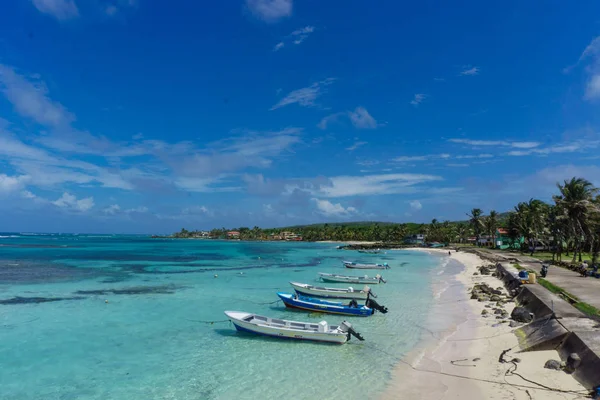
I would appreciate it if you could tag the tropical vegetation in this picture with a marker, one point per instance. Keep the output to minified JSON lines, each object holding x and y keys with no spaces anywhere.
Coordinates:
{"x":569,"y":226}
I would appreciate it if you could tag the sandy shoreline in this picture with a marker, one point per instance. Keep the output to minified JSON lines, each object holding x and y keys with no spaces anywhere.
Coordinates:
{"x":442,"y":367}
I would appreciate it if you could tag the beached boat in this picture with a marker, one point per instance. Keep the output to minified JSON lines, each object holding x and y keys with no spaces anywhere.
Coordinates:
{"x":374,"y":280}
{"x":331,"y":307}
{"x":284,"y":329}
{"x":355,"y":265}
{"x":332,"y":293}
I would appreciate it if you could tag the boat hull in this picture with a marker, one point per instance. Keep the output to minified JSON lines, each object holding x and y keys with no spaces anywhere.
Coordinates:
{"x":328,"y":294}
{"x":364,"y":266}
{"x":314,"y":305}
{"x":290,"y":334}
{"x":346,"y":279}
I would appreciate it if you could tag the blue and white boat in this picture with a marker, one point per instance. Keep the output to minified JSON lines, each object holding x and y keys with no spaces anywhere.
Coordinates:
{"x":284,"y":329}
{"x":374,"y":280}
{"x":330,"y":307}
{"x":333,"y":293}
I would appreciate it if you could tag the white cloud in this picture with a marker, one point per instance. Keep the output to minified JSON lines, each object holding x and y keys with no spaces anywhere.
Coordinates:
{"x":140,"y":209}
{"x":371,"y":185}
{"x":571,"y":147}
{"x":278,"y":46}
{"x":472,"y":156}
{"x":69,"y":201}
{"x":421,"y":158}
{"x":416,"y":205}
{"x":478,"y":143}
{"x":418,"y":99}
{"x":592,"y":49}
{"x":361,"y":119}
{"x":59,"y":9}
{"x":355,"y":146}
{"x":112,"y":209}
{"x":26,"y":194}
{"x":30,"y":99}
{"x":470,"y":71}
{"x":270,"y":10}
{"x":329,"y":119}
{"x":10,"y":184}
{"x":592,"y":89}
{"x":301,"y":35}
{"x":196,"y":210}
{"x":306,"y":96}
{"x":329,"y":209}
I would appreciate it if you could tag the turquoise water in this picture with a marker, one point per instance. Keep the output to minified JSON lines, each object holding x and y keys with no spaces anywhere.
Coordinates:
{"x":60,"y":339}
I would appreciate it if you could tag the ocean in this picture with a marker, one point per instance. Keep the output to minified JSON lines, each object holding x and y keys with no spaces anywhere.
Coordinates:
{"x":130,"y":317}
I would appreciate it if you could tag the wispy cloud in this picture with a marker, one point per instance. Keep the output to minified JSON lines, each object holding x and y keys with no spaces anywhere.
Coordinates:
{"x":30,"y":99}
{"x":483,"y":143}
{"x":59,"y":9}
{"x":592,"y":53}
{"x":470,"y":71}
{"x":570,"y":147}
{"x":329,"y":209}
{"x":355,"y":146}
{"x":427,"y":157}
{"x":344,"y":186}
{"x":296,"y":37}
{"x":359,"y":118}
{"x":300,"y":35}
{"x":474,"y":156}
{"x":270,"y":10}
{"x":9,"y":184}
{"x":70,"y":202}
{"x":418,"y":99}
{"x":306,"y":96}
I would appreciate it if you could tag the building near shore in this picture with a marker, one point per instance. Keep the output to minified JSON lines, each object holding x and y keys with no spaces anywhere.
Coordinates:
{"x":233,"y":235}
{"x":417,"y":239}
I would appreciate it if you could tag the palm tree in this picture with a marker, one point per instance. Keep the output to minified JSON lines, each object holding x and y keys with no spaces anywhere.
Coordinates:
{"x":491,"y":226}
{"x":576,"y":199}
{"x":462,"y":231}
{"x":476,"y":221}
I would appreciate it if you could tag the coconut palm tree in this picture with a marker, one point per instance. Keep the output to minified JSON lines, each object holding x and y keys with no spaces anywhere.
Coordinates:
{"x":476,"y":221}
{"x":462,"y":232}
{"x":576,"y":199}
{"x":491,"y":226}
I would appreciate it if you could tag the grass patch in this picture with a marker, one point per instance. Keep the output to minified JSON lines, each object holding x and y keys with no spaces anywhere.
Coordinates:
{"x":587,"y":309}
{"x":580,"y":305}
{"x":518,"y":267}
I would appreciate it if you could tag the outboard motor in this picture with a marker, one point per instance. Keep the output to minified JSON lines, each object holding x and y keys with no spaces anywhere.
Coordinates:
{"x":347,"y":327}
{"x":380,"y":278}
{"x":369,"y":291}
{"x":544,"y":271}
{"x":375,"y":306}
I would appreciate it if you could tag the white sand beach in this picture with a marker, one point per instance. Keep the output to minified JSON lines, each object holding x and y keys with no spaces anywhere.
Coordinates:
{"x":462,"y":362}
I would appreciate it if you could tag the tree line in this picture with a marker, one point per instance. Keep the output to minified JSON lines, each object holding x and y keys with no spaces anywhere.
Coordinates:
{"x":568,"y":225}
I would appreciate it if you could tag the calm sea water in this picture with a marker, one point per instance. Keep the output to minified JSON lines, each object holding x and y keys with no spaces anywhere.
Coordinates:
{"x":60,"y":339}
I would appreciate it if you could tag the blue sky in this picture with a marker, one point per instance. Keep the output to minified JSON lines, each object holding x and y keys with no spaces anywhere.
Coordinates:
{"x":147,"y":116}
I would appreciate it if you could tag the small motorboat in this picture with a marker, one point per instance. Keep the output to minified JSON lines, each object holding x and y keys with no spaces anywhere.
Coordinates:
{"x":375,"y":251}
{"x":332,"y":293}
{"x":284,"y":329}
{"x":331,"y":307}
{"x":374,"y":280}
{"x":355,"y":265}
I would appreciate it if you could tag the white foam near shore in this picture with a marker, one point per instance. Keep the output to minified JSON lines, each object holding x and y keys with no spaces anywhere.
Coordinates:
{"x":461,"y":361}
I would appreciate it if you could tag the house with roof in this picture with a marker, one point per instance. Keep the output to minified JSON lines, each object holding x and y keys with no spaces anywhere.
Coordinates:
{"x":233,"y":235}
{"x":503,"y":240}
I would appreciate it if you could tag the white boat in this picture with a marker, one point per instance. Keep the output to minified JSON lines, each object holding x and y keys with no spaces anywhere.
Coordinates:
{"x":284,"y":329}
{"x":374,"y":280}
{"x":333,"y":293}
{"x":355,"y":265}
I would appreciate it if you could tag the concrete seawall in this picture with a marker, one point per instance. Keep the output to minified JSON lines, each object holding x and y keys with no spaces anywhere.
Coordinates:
{"x":557,"y":325}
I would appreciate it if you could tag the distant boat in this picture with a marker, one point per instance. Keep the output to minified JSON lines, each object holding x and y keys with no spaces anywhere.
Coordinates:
{"x":374,"y":280}
{"x":355,"y":265}
{"x":331,"y":307}
{"x":332,"y":293}
{"x":284,"y":329}
{"x":375,"y":251}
